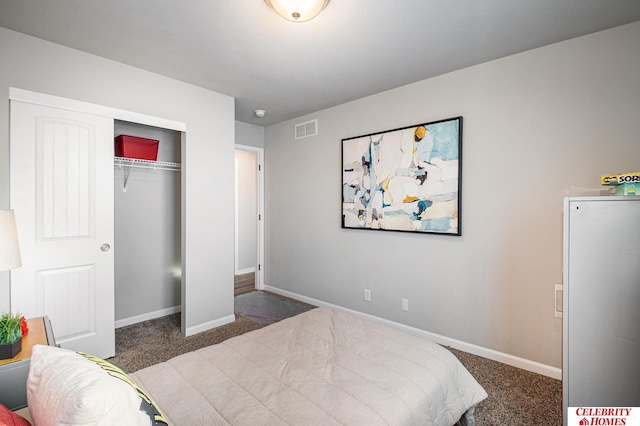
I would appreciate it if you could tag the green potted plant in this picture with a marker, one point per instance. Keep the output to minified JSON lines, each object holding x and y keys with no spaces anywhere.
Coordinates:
{"x":11,"y":331}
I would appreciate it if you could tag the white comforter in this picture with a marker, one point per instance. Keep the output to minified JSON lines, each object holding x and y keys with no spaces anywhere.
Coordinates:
{"x":325,"y":366}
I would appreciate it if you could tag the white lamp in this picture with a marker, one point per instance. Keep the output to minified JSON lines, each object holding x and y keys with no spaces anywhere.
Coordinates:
{"x":297,"y":10}
{"x":9,"y":249}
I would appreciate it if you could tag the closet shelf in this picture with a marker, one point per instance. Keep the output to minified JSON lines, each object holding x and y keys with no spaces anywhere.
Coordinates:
{"x":146,"y":164}
{"x":129,"y":163}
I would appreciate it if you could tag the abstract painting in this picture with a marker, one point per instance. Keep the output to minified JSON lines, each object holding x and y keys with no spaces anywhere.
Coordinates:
{"x":405,"y":179}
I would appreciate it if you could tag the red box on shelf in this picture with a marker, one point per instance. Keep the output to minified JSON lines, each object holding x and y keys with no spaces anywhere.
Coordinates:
{"x":136,"y":147}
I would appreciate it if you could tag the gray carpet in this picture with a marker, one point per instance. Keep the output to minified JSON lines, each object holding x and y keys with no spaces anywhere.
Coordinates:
{"x":151,"y":342}
{"x":267,"y":308}
{"x":516,"y":397}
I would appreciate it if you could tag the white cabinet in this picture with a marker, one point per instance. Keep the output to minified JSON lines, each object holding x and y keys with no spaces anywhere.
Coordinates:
{"x":601,"y":328}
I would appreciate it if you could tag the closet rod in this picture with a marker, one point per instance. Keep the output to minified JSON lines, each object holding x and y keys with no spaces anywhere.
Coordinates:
{"x":129,"y":163}
{"x":147,"y":164}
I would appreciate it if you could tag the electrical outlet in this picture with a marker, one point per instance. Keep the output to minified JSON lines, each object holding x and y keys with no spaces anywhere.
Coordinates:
{"x":367,"y":295}
{"x":405,"y":305}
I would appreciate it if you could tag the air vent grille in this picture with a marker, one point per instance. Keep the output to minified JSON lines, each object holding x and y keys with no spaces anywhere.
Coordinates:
{"x":309,"y":128}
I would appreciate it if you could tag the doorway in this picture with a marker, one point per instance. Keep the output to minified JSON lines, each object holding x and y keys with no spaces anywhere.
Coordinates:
{"x":249,"y":219}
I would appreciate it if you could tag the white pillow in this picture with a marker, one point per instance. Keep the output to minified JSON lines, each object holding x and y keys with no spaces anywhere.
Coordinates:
{"x":71,"y":388}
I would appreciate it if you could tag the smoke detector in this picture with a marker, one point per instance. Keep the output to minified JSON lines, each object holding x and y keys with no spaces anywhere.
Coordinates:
{"x":260,"y":113}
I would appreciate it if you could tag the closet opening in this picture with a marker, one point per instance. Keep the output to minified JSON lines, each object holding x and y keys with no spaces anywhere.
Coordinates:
{"x":147,"y":228}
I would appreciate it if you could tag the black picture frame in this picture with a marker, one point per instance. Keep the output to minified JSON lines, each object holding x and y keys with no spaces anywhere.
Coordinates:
{"x":407,"y":179}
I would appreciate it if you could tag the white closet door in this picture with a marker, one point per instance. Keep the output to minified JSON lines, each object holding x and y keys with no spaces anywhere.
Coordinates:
{"x":61,"y":171}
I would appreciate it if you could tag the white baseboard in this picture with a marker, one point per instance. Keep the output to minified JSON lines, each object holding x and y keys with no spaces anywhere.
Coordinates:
{"x":245,"y":271}
{"x":148,"y":316}
{"x":168,"y":311}
{"x":209,"y":325}
{"x":525,"y":364}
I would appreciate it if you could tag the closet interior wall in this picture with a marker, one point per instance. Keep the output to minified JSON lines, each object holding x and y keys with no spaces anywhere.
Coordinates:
{"x":147,"y":232}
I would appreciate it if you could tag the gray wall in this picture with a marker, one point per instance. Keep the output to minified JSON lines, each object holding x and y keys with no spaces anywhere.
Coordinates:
{"x":147,"y":229}
{"x":249,"y":134}
{"x":32,"y":64}
{"x":538,"y":126}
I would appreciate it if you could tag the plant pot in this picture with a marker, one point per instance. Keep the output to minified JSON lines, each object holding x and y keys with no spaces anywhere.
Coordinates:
{"x":9,"y":350}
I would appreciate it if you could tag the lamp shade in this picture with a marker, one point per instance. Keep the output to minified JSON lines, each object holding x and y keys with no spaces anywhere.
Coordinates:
{"x":297,"y":10}
{"x":9,"y":249}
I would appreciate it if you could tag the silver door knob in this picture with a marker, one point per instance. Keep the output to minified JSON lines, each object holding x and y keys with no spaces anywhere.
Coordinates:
{"x":105,"y":247}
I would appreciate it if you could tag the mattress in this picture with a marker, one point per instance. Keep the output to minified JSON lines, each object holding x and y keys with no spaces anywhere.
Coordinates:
{"x":322,"y":367}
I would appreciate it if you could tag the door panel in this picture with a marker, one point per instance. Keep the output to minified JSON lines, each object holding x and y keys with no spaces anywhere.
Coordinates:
{"x":61,"y":171}
{"x":69,"y":290}
{"x":64,"y":156}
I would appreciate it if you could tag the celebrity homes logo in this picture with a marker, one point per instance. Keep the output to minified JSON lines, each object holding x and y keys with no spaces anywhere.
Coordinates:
{"x":603,"y":416}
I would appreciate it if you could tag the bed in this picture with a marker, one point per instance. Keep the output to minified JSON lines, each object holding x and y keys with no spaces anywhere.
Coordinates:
{"x":322,"y":367}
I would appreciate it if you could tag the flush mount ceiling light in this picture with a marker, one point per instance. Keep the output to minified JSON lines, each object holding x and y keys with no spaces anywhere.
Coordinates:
{"x":297,"y":10}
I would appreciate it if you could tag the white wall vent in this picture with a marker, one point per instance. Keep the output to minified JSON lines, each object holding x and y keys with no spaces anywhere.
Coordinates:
{"x":304,"y":130}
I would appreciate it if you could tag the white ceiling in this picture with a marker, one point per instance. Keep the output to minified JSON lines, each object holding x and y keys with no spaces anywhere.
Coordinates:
{"x":354,"y":48}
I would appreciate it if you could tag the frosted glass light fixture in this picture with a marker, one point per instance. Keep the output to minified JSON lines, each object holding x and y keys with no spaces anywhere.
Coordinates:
{"x":9,"y":249}
{"x":297,"y":10}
